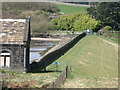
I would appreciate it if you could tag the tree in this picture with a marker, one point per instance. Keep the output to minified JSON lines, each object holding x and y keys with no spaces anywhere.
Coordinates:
{"x":76,"y":22}
{"x":107,"y":12}
{"x":85,"y":22}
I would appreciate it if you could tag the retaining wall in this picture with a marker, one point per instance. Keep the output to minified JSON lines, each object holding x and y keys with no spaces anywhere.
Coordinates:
{"x":37,"y":66}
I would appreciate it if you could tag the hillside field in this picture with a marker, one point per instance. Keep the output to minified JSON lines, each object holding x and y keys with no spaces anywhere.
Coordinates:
{"x":93,"y":61}
{"x":68,"y":9}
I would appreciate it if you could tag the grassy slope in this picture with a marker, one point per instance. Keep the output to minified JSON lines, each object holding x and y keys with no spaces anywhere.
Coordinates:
{"x":91,"y":58}
{"x":68,"y":9}
{"x":113,"y":36}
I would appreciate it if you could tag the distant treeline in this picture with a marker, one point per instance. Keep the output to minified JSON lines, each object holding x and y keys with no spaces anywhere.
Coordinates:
{"x":39,"y":12}
{"x":45,"y":6}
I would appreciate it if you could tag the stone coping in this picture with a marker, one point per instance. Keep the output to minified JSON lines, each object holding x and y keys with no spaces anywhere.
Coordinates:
{"x":13,"y":20}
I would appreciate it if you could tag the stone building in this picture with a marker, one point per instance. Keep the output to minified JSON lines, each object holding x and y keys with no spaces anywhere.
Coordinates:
{"x":15,"y":43}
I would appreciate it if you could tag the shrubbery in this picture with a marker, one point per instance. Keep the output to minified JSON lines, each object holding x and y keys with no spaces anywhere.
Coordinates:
{"x":107,"y":28}
{"x":85,"y":22}
{"x":40,"y":24}
{"x":76,"y":22}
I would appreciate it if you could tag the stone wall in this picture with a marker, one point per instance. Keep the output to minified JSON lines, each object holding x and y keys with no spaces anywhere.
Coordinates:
{"x":16,"y":55}
{"x":37,"y":66}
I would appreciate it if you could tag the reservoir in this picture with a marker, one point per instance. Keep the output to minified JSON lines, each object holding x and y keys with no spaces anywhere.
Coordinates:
{"x":39,"y":48}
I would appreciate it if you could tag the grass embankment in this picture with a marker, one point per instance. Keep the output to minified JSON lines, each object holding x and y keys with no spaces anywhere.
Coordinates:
{"x":68,"y":9}
{"x":113,"y":36}
{"x":93,"y":61}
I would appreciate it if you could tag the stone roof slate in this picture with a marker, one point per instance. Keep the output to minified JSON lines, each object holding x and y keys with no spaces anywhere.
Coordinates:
{"x":13,"y":31}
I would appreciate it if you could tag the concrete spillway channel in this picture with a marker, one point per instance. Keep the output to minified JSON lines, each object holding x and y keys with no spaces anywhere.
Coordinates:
{"x":54,"y":53}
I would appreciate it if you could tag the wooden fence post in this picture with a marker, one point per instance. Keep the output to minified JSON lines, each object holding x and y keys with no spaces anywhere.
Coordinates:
{"x":60,"y":79}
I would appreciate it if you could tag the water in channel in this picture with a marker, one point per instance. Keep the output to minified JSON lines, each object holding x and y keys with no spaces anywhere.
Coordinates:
{"x":39,"y":48}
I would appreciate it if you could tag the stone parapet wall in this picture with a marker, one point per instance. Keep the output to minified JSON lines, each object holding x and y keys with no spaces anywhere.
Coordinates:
{"x":50,"y":57}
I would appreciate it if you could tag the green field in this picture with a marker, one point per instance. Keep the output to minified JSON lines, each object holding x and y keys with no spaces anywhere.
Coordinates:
{"x":93,"y":61}
{"x":68,"y":9}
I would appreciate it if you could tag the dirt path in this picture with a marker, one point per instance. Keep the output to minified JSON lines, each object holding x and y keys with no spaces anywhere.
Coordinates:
{"x":116,"y":45}
{"x":79,"y":5}
{"x":110,"y":43}
{"x":113,"y":44}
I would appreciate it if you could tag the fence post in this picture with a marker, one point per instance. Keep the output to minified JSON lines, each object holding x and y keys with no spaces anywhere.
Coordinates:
{"x":67,"y":70}
{"x":53,"y":85}
{"x":61,"y":78}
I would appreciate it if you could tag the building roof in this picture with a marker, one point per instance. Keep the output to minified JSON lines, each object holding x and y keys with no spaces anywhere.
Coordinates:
{"x":13,"y":31}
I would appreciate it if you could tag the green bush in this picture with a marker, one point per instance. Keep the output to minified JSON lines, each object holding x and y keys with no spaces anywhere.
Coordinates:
{"x":107,"y":28}
{"x":85,"y":22}
{"x":76,"y":22}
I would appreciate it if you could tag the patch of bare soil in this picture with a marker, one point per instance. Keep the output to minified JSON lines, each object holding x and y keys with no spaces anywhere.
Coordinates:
{"x":20,"y":84}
